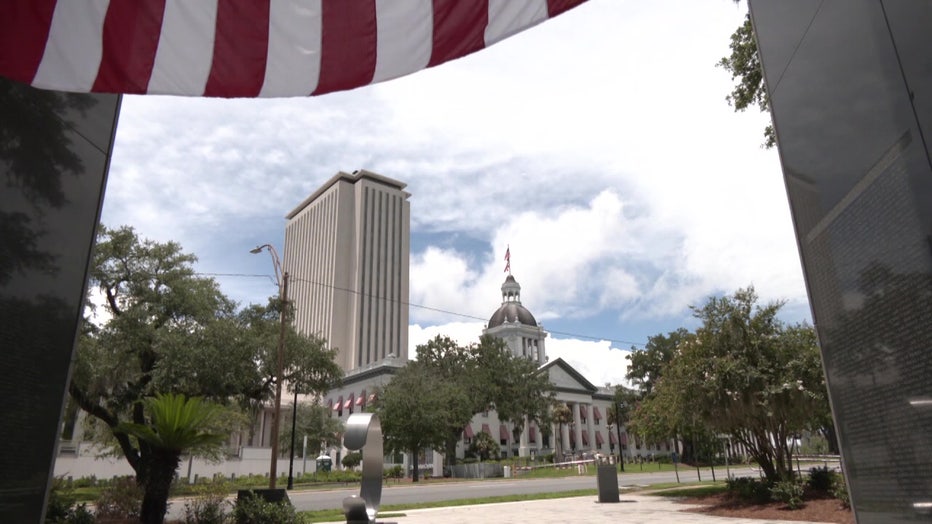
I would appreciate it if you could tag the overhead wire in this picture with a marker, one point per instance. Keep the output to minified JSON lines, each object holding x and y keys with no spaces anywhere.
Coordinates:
{"x":418,"y":306}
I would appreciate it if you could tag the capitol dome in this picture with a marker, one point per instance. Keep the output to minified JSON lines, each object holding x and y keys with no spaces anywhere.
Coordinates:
{"x":511,"y":310}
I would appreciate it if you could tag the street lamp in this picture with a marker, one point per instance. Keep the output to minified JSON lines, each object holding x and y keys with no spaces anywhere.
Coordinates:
{"x":281,"y":278}
{"x":621,"y":455}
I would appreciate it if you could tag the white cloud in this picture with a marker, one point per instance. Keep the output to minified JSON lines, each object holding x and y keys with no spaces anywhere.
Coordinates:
{"x":600,"y":363}
{"x":598,"y":145}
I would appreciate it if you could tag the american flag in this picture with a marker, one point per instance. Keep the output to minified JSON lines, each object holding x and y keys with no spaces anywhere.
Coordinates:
{"x":508,"y":259}
{"x":247,"y":48}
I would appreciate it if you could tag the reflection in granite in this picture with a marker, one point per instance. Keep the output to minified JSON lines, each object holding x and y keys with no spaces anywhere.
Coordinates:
{"x":54,"y":153}
{"x":846,"y":80}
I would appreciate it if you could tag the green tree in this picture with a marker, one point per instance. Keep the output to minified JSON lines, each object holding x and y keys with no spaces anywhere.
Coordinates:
{"x":416,"y":408}
{"x":352,"y":459}
{"x":314,"y":422}
{"x":646,"y":366}
{"x":745,"y":67}
{"x":175,"y":424}
{"x":487,"y":376}
{"x":167,"y":330}
{"x":748,"y":375}
{"x":624,"y":401}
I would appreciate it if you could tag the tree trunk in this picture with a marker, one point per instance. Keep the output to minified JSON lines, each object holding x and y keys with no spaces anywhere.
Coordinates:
{"x":451,"y":448}
{"x":414,"y":474}
{"x":160,"y":472}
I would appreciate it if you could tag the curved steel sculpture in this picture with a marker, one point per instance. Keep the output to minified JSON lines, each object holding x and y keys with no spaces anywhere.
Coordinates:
{"x":364,"y":432}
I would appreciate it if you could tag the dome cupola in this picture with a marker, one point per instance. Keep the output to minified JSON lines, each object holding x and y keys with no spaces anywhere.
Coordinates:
{"x":511,"y":310}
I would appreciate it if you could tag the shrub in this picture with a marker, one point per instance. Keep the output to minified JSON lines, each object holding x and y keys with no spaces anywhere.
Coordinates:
{"x":209,"y":505}
{"x":61,"y":508}
{"x":821,"y":479}
{"x":85,"y":482}
{"x":253,"y":509}
{"x":840,"y":491}
{"x":394,"y":472}
{"x":120,"y":500}
{"x":789,"y":492}
{"x":747,"y":488}
{"x":351,"y":459}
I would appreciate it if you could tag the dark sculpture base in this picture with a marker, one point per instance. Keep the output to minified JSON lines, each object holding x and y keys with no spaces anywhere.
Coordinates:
{"x":607,"y":480}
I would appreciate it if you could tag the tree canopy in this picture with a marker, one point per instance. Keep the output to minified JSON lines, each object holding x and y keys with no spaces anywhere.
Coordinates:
{"x":745,"y":374}
{"x":745,"y":67}
{"x":164,"y":329}
{"x":472,"y":379}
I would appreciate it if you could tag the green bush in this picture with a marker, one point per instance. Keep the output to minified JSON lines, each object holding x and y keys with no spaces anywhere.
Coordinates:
{"x":85,"y":482}
{"x":121,"y":499}
{"x":394,"y":472}
{"x":789,"y":492}
{"x":351,"y":459}
{"x":209,"y":505}
{"x":840,"y":491}
{"x":747,"y":488}
{"x":548,"y":458}
{"x":62,"y":508}
{"x":821,"y":479}
{"x":253,"y":509}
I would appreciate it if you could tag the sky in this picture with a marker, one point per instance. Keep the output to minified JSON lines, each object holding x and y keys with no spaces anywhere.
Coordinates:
{"x":597,"y":146}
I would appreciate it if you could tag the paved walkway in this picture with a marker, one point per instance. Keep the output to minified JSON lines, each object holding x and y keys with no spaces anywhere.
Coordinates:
{"x":633,"y":509}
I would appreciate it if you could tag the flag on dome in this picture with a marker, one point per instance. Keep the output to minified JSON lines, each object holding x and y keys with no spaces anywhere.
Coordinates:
{"x":247,"y":48}
{"x":508,"y":259}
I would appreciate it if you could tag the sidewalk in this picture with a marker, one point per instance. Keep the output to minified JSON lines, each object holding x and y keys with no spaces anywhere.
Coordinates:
{"x":633,"y":509}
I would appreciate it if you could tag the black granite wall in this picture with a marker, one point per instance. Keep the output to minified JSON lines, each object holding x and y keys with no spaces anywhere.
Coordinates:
{"x":54,"y":155}
{"x":850,"y":82}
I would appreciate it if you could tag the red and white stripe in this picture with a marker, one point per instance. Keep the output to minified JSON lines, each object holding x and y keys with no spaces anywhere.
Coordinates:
{"x":247,"y":48}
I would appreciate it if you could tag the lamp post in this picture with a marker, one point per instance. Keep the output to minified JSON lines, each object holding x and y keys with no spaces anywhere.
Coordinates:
{"x":621,"y":455}
{"x":282,"y":279}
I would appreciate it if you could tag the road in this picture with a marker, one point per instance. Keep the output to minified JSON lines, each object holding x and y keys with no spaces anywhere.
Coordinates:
{"x":406,"y":493}
{"x":430,"y":492}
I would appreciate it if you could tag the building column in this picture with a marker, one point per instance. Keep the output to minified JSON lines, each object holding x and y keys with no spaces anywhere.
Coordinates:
{"x":523,"y":450}
{"x":577,"y":427}
{"x":438,"y":464}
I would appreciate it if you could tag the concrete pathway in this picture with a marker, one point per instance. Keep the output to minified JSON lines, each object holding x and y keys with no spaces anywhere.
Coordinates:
{"x":633,"y":509}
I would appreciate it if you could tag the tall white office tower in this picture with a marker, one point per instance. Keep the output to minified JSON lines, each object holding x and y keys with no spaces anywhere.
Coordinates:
{"x":346,"y":251}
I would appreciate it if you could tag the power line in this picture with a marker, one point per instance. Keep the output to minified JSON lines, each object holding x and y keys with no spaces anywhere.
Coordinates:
{"x":418,"y":306}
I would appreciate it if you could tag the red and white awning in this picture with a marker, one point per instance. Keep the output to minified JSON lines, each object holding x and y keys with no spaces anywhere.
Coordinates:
{"x":247,"y":48}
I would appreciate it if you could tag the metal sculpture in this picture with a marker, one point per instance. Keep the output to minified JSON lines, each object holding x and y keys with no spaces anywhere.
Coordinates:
{"x":364,"y":432}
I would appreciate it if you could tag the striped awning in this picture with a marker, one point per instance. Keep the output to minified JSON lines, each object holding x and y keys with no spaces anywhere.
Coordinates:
{"x":247,"y":48}
{"x":596,"y":414}
{"x":583,"y":412}
{"x":467,"y":431}
{"x":339,"y":405}
{"x":486,"y":430}
{"x":532,"y":434}
{"x":598,"y":438}
{"x":503,"y":432}
{"x":585,"y":437}
{"x":361,"y":399}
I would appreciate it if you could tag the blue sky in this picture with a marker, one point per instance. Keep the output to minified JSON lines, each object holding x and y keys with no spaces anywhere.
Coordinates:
{"x":598,"y":145}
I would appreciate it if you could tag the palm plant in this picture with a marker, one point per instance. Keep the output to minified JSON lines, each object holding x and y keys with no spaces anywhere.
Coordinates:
{"x":176,"y":424}
{"x":562,"y":414}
